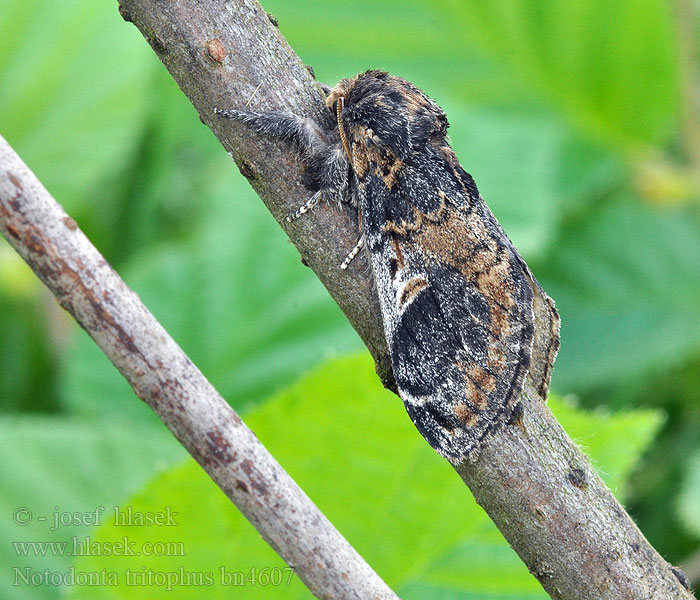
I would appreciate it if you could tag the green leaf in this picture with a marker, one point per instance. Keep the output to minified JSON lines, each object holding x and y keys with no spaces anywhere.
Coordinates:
{"x":60,"y":470}
{"x":689,"y":498}
{"x":529,"y":148}
{"x":352,"y":448}
{"x":610,"y":67}
{"x":74,"y":82}
{"x":626,"y":280}
{"x":73,"y":103}
{"x":26,"y":354}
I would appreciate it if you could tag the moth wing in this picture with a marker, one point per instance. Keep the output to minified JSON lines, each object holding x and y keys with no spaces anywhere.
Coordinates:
{"x":457,"y":307}
{"x":546,"y":340}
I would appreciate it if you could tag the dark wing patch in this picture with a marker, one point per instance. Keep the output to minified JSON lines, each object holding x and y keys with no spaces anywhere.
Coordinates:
{"x":457,"y":377}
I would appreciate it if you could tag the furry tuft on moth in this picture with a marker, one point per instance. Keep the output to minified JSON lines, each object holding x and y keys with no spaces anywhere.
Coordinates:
{"x":459,"y":304}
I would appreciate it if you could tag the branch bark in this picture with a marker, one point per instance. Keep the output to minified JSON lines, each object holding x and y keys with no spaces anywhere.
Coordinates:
{"x":165,"y":378}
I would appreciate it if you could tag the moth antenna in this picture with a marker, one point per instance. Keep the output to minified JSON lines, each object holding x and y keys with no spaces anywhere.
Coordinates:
{"x":353,"y":253}
{"x":339,"y":109}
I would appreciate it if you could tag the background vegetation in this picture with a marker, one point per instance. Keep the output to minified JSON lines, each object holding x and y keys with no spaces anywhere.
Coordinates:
{"x":575,"y":118}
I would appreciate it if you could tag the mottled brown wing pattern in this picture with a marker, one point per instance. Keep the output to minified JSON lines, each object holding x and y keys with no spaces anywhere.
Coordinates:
{"x":456,"y":303}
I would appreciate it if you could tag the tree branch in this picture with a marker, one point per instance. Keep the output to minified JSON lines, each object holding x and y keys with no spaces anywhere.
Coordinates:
{"x":558,"y":515}
{"x":163,"y":377}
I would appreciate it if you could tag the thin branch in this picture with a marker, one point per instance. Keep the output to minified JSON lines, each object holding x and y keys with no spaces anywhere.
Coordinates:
{"x":163,"y":377}
{"x":531,"y":478}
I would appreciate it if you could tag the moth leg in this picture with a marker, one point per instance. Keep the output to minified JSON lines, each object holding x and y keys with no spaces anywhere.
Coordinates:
{"x":306,"y":207}
{"x":353,"y":253}
{"x":304,"y":134}
{"x":326,"y":169}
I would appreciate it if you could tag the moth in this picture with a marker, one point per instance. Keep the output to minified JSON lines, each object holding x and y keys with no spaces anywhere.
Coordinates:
{"x":459,"y":304}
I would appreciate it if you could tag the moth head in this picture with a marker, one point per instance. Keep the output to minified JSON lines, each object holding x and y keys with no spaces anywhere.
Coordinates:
{"x":375,"y":108}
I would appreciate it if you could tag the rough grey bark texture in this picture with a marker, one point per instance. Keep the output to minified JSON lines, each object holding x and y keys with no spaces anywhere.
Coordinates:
{"x":162,"y":375}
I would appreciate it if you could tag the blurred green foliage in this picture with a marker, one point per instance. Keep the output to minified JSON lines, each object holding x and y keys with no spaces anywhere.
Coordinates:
{"x":569,"y":114}
{"x":396,"y":501}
